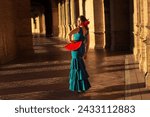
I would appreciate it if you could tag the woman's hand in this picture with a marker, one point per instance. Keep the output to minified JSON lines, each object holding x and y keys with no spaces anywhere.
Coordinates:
{"x":69,"y":38}
{"x":72,"y":41}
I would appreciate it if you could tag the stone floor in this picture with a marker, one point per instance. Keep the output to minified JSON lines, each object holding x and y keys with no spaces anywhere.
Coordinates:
{"x":44,"y":75}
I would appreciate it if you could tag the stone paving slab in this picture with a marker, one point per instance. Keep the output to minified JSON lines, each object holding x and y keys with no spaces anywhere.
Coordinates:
{"x":134,"y":81}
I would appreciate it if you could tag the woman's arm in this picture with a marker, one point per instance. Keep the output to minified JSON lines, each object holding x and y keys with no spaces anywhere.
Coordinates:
{"x":87,"y":46}
{"x":76,"y":30}
{"x":87,"y":43}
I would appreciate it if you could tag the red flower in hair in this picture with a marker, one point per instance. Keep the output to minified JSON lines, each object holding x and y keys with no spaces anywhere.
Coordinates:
{"x":85,"y":23}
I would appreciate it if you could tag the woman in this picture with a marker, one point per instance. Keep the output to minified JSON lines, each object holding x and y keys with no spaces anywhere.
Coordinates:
{"x":78,"y":75}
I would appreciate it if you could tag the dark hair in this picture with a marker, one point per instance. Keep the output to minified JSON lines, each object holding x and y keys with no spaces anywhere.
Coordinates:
{"x":83,"y":19}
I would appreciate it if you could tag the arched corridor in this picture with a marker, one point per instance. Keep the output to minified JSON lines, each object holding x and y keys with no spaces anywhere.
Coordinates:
{"x":44,"y":18}
{"x":45,"y":75}
{"x":34,"y":64}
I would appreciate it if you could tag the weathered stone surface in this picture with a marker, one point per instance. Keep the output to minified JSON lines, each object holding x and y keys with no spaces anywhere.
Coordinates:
{"x":15,"y":29}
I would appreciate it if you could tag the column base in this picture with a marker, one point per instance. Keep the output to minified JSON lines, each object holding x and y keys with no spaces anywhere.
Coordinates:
{"x":63,"y":32}
{"x":147,"y":80}
{"x":136,"y":54}
{"x":60,"y":31}
{"x":99,"y":40}
{"x":99,"y":47}
{"x":68,"y":29}
{"x":7,"y":59}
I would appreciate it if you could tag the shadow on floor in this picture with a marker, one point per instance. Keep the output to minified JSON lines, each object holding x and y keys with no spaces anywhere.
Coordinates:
{"x":44,"y":75}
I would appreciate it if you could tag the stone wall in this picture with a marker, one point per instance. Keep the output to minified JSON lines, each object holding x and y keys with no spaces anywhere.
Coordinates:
{"x":23,"y":26}
{"x":15,"y":29}
{"x":7,"y":32}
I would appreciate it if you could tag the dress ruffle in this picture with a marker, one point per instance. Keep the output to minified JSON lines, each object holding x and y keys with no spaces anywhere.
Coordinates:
{"x":78,"y":75}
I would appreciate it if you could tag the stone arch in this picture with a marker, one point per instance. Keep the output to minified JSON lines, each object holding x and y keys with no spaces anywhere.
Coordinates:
{"x":41,"y":14}
{"x":118,"y":36}
{"x":37,"y":19}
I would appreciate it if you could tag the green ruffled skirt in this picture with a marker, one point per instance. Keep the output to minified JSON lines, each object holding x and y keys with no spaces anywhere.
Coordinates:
{"x":78,"y":75}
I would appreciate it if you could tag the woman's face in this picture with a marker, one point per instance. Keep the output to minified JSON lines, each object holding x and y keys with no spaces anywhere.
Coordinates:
{"x":79,"y":22}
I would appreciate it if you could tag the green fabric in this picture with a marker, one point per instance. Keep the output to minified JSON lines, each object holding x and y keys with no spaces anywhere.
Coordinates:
{"x":78,"y":75}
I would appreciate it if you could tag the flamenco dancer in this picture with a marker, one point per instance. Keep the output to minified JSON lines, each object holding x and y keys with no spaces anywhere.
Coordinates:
{"x":78,"y":77}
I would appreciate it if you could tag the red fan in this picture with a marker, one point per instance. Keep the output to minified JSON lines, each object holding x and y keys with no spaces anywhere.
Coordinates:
{"x":73,"y":46}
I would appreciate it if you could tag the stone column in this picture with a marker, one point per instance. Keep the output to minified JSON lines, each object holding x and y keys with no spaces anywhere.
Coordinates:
{"x":144,"y":21}
{"x":135,"y":23}
{"x":42,"y":24}
{"x":80,"y":7}
{"x":15,"y":29}
{"x":73,"y":13}
{"x":23,"y":26}
{"x":7,"y":33}
{"x":63,"y":20}
{"x":142,"y":36}
{"x":147,"y":41}
{"x":55,"y":18}
{"x":37,"y":27}
{"x":137,"y":42}
{"x":60,"y":19}
{"x":68,"y":19}
{"x":99,"y":24}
